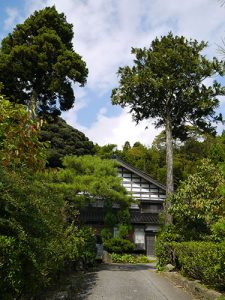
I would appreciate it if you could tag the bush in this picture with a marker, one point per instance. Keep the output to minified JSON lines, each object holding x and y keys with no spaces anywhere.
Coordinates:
{"x":106,"y":234}
{"x":164,"y":253}
{"x":35,"y":242}
{"x":118,"y":245}
{"x":130,"y":259}
{"x":30,"y":220}
{"x":204,"y":261}
{"x":164,"y":245}
{"x":88,"y":251}
{"x":199,"y":202}
{"x":218,"y":230}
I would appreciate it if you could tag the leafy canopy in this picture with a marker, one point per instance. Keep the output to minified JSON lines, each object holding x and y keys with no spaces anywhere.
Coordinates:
{"x":166,"y":82}
{"x":38,"y":63}
{"x":64,"y":140}
{"x":199,"y":201}
{"x":86,"y":180}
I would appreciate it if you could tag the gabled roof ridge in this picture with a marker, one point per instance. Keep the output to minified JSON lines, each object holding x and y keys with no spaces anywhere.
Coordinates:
{"x":138,"y":172}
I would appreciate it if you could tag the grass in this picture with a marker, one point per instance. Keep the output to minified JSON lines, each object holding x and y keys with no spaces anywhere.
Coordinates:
{"x":131,"y":259}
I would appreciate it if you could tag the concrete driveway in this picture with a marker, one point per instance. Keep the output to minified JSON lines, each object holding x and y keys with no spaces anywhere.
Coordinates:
{"x":134,"y":282}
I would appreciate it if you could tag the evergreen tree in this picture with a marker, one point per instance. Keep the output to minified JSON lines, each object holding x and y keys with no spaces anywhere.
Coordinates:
{"x":38,"y":63}
{"x":64,"y":140}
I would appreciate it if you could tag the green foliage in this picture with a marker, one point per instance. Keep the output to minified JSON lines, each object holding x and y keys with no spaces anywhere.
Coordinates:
{"x":198,"y":203}
{"x":169,"y":234}
{"x":31,"y":221}
{"x":106,"y":233}
{"x":88,"y":179}
{"x":187,"y":155}
{"x":19,"y":144}
{"x":166,"y":237}
{"x":38,"y":63}
{"x":118,"y":245}
{"x":216,"y":150}
{"x":123,"y":231}
{"x":166,"y":83}
{"x":35,"y":241}
{"x":64,"y":140}
{"x":199,"y":260}
{"x":149,"y":160}
{"x":218,"y":230}
{"x":126,"y":146}
{"x":130,"y":259}
{"x":88,"y":251}
{"x":79,"y":244}
{"x":106,"y":151}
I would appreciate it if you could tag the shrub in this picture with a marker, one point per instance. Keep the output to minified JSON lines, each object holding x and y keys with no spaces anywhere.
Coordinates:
{"x":118,"y":245}
{"x":88,"y":250}
{"x":130,"y":259}
{"x":199,"y":202}
{"x":218,"y":230}
{"x":164,"y":253}
{"x":204,"y":261}
{"x":106,"y":234}
{"x":35,"y":241}
{"x":164,"y":245}
{"x":123,"y":231}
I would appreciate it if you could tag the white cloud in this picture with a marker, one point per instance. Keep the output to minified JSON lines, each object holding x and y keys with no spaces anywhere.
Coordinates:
{"x":80,"y":103}
{"x":117,"y":129}
{"x":105,"y":31}
{"x":12,"y":16}
{"x":32,"y":5}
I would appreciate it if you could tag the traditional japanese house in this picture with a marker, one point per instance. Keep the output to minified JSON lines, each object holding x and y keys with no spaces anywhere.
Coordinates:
{"x":144,"y":215}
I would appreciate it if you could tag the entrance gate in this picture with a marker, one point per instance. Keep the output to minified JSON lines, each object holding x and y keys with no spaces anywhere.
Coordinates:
{"x":150,"y":244}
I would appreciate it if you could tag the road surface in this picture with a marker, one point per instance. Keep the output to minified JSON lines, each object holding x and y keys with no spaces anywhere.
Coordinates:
{"x":133,"y":282}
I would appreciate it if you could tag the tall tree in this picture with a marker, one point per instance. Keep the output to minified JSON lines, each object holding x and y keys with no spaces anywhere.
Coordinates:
{"x":38,"y":63}
{"x":64,"y":140}
{"x":166,"y":83}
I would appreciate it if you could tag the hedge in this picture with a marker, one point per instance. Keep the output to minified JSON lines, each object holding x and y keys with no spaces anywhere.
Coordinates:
{"x":130,"y":259}
{"x":118,"y":245}
{"x":204,"y":261}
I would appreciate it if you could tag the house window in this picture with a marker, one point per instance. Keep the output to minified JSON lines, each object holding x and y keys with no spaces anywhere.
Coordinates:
{"x":127,"y":175}
{"x":139,"y":237}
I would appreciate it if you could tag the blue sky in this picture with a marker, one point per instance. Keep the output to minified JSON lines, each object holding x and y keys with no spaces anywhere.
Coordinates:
{"x":105,"y":31}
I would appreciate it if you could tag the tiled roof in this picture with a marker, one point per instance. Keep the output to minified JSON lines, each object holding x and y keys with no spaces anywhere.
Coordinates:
{"x":148,"y":218}
{"x":96,"y":215}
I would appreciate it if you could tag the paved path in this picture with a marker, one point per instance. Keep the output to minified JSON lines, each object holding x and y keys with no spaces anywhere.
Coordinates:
{"x":133,"y":282}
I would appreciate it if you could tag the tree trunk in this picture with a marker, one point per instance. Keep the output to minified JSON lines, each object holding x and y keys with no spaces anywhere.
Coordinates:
{"x":32,"y":106}
{"x":169,"y":167}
